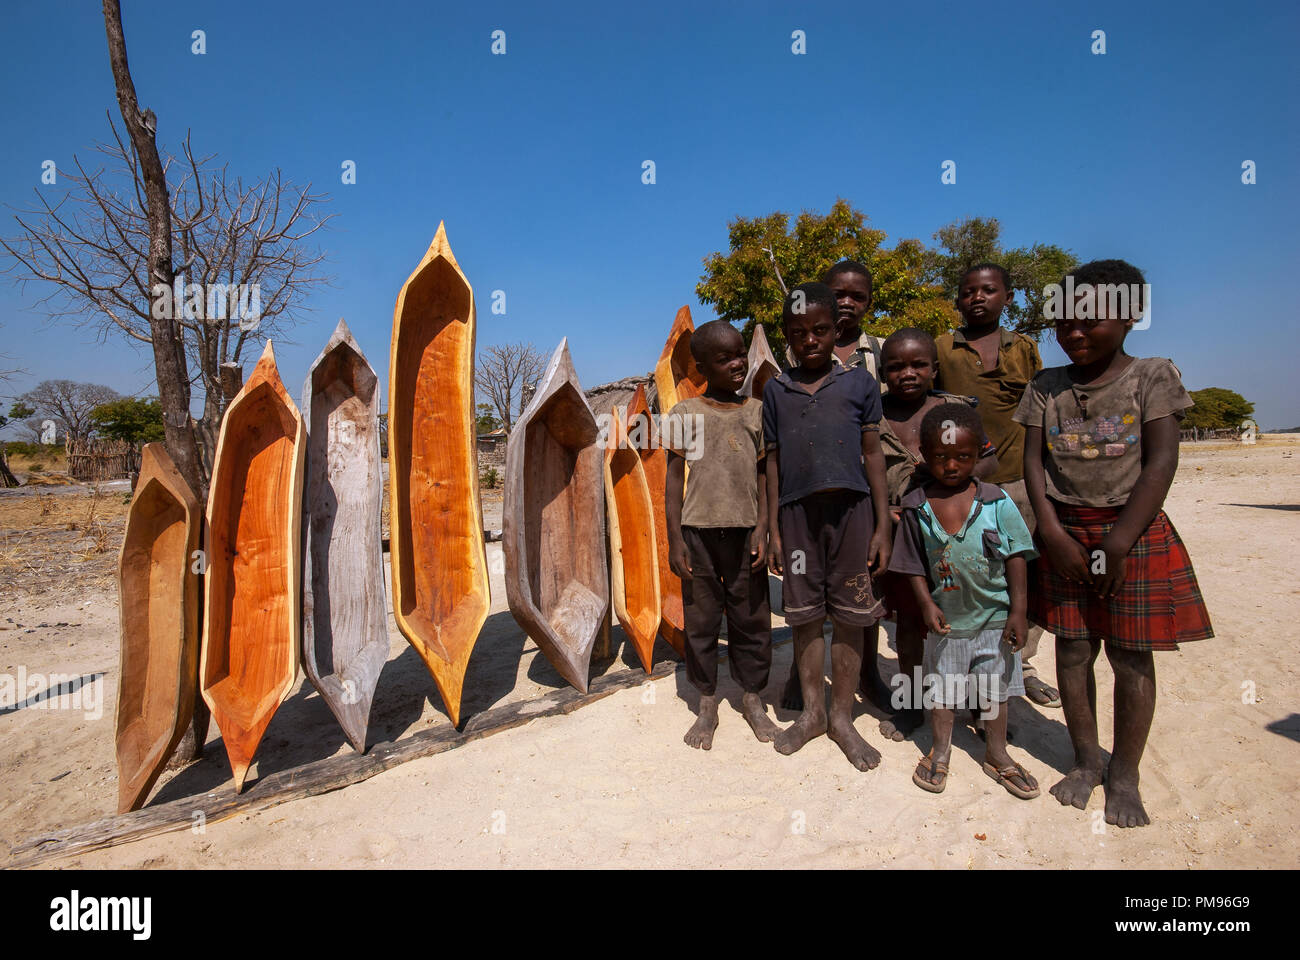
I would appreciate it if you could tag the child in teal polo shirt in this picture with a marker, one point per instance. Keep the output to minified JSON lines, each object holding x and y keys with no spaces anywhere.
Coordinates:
{"x":965,"y":548}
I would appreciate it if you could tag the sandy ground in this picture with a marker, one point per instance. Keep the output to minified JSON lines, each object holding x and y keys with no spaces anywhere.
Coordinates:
{"x":613,"y":785}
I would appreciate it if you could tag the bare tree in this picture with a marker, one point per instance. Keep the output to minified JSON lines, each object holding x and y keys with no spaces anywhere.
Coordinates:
{"x":505,"y":374}
{"x":243,"y":272}
{"x":68,"y":404}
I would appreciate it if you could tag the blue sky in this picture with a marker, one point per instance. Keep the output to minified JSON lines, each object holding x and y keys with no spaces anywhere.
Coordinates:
{"x":534,"y":158}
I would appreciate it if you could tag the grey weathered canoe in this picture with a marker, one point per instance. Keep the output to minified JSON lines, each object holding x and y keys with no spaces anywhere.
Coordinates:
{"x":762,"y":365}
{"x":557,"y":581}
{"x":344,"y":617}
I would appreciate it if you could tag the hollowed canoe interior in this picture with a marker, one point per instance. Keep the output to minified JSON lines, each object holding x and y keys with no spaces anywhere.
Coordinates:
{"x":635,"y":521}
{"x":250,"y":648}
{"x":654,"y":461}
{"x":442,"y":588}
{"x":154,"y":565}
{"x":342,"y":439}
{"x":564,"y":543}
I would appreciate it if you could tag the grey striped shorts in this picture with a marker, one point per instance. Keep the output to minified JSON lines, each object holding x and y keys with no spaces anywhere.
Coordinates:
{"x":961,"y":669}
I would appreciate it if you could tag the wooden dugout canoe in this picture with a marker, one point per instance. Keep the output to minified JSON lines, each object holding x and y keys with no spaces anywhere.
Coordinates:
{"x":654,"y":460}
{"x":159,"y":594}
{"x":676,"y":376}
{"x":440,"y":572}
{"x":634,"y":563}
{"x":557,"y":581}
{"x":251,"y":615}
{"x":762,"y":364}
{"x":344,"y":617}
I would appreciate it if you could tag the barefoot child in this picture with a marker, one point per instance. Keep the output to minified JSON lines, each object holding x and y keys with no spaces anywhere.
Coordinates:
{"x":910,"y":361}
{"x":1101,"y":448}
{"x":850,"y":281}
{"x":964,"y":546}
{"x":828,"y":518}
{"x":985,"y":360}
{"x":717,"y":532}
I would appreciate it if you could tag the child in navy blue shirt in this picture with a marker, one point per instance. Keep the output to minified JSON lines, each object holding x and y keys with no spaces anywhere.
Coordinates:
{"x":828,"y":515}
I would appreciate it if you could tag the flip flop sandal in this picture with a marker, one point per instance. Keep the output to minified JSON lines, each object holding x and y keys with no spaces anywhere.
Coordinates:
{"x":1041,"y":693}
{"x":1004,"y":775}
{"x":939,"y":767}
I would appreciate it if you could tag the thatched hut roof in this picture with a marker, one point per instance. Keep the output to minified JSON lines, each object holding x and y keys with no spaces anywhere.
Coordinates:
{"x":619,"y":394}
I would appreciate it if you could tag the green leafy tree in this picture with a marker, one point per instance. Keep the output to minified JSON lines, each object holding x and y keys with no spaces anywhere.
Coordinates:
{"x":976,"y":239}
{"x":487,"y":419}
{"x":131,"y":419}
{"x":1217,"y":408}
{"x":742,"y":285}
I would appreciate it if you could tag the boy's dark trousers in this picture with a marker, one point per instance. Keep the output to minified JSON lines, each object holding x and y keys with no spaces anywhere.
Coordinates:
{"x":721,"y":583}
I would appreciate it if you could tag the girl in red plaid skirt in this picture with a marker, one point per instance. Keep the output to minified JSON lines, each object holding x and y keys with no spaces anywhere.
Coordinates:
{"x":1101,"y":448}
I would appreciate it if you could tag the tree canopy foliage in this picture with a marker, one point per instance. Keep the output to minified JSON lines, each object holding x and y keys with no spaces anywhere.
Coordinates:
{"x":913,"y":285}
{"x":1217,"y":408}
{"x":133,"y":419}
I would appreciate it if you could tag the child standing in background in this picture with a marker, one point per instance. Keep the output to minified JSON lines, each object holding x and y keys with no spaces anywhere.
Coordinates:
{"x":1101,"y":449}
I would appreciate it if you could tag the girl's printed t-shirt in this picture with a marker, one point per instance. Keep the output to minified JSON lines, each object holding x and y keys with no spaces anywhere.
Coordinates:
{"x":1093,"y":434}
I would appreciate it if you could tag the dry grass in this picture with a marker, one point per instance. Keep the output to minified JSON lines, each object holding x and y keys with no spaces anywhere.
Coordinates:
{"x":64,"y":543}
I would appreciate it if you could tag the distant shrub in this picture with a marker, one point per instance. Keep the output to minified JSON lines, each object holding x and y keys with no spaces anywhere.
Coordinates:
{"x":489,"y":477}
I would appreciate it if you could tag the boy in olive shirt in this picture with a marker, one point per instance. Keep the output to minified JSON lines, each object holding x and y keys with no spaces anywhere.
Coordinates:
{"x":717,"y":531}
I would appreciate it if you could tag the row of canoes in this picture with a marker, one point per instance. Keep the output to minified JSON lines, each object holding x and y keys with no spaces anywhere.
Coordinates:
{"x":291,"y":545}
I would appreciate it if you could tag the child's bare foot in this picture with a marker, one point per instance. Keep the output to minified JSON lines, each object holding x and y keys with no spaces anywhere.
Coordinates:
{"x":1124,"y":803}
{"x":860,"y":753}
{"x":901,"y":725}
{"x":792,"y":695}
{"x":751,"y":708}
{"x":807,"y":727}
{"x":700,"y":736}
{"x":1077,"y":786}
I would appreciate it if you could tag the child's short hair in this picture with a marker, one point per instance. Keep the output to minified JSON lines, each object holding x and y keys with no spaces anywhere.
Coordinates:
{"x":848,"y":266}
{"x":910,"y":335}
{"x":959,"y":415}
{"x":708,"y":335}
{"x":1118,"y":272}
{"x":988,"y":265}
{"x":814,"y":293}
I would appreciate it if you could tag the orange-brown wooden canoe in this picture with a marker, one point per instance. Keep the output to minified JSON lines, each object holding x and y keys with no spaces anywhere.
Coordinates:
{"x":553,"y":537}
{"x":344,"y":616}
{"x":762,"y":365}
{"x":251,"y":609}
{"x":676,"y":376}
{"x":634,"y":558}
{"x":654,"y":460}
{"x":159,"y":593}
{"x":440,"y":572}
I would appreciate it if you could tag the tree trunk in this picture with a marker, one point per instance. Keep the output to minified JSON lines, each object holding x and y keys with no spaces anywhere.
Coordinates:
{"x":170,"y":369}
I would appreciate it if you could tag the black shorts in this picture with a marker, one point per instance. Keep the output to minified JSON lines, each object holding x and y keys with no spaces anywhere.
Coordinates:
{"x":826,"y":542}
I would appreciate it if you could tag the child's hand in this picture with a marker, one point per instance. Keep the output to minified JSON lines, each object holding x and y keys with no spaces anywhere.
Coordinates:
{"x":774,"y":549}
{"x":758,"y":547}
{"x":1113,"y":572}
{"x":1067,"y":556}
{"x":933,"y":617}
{"x":1016,"y":632}
{"x":679,"y":559}
{"x":878,"y":555}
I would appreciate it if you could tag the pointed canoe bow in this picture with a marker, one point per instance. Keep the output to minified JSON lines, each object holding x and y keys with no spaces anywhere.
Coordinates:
{"x":553,"y":537}
{"x":762,"y":364}
{"x":676,"y":376}
{"x":159,"y":594}
{"x":344,"y":616}
{"x":440,"y":574}
{"x":251,"y":615}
